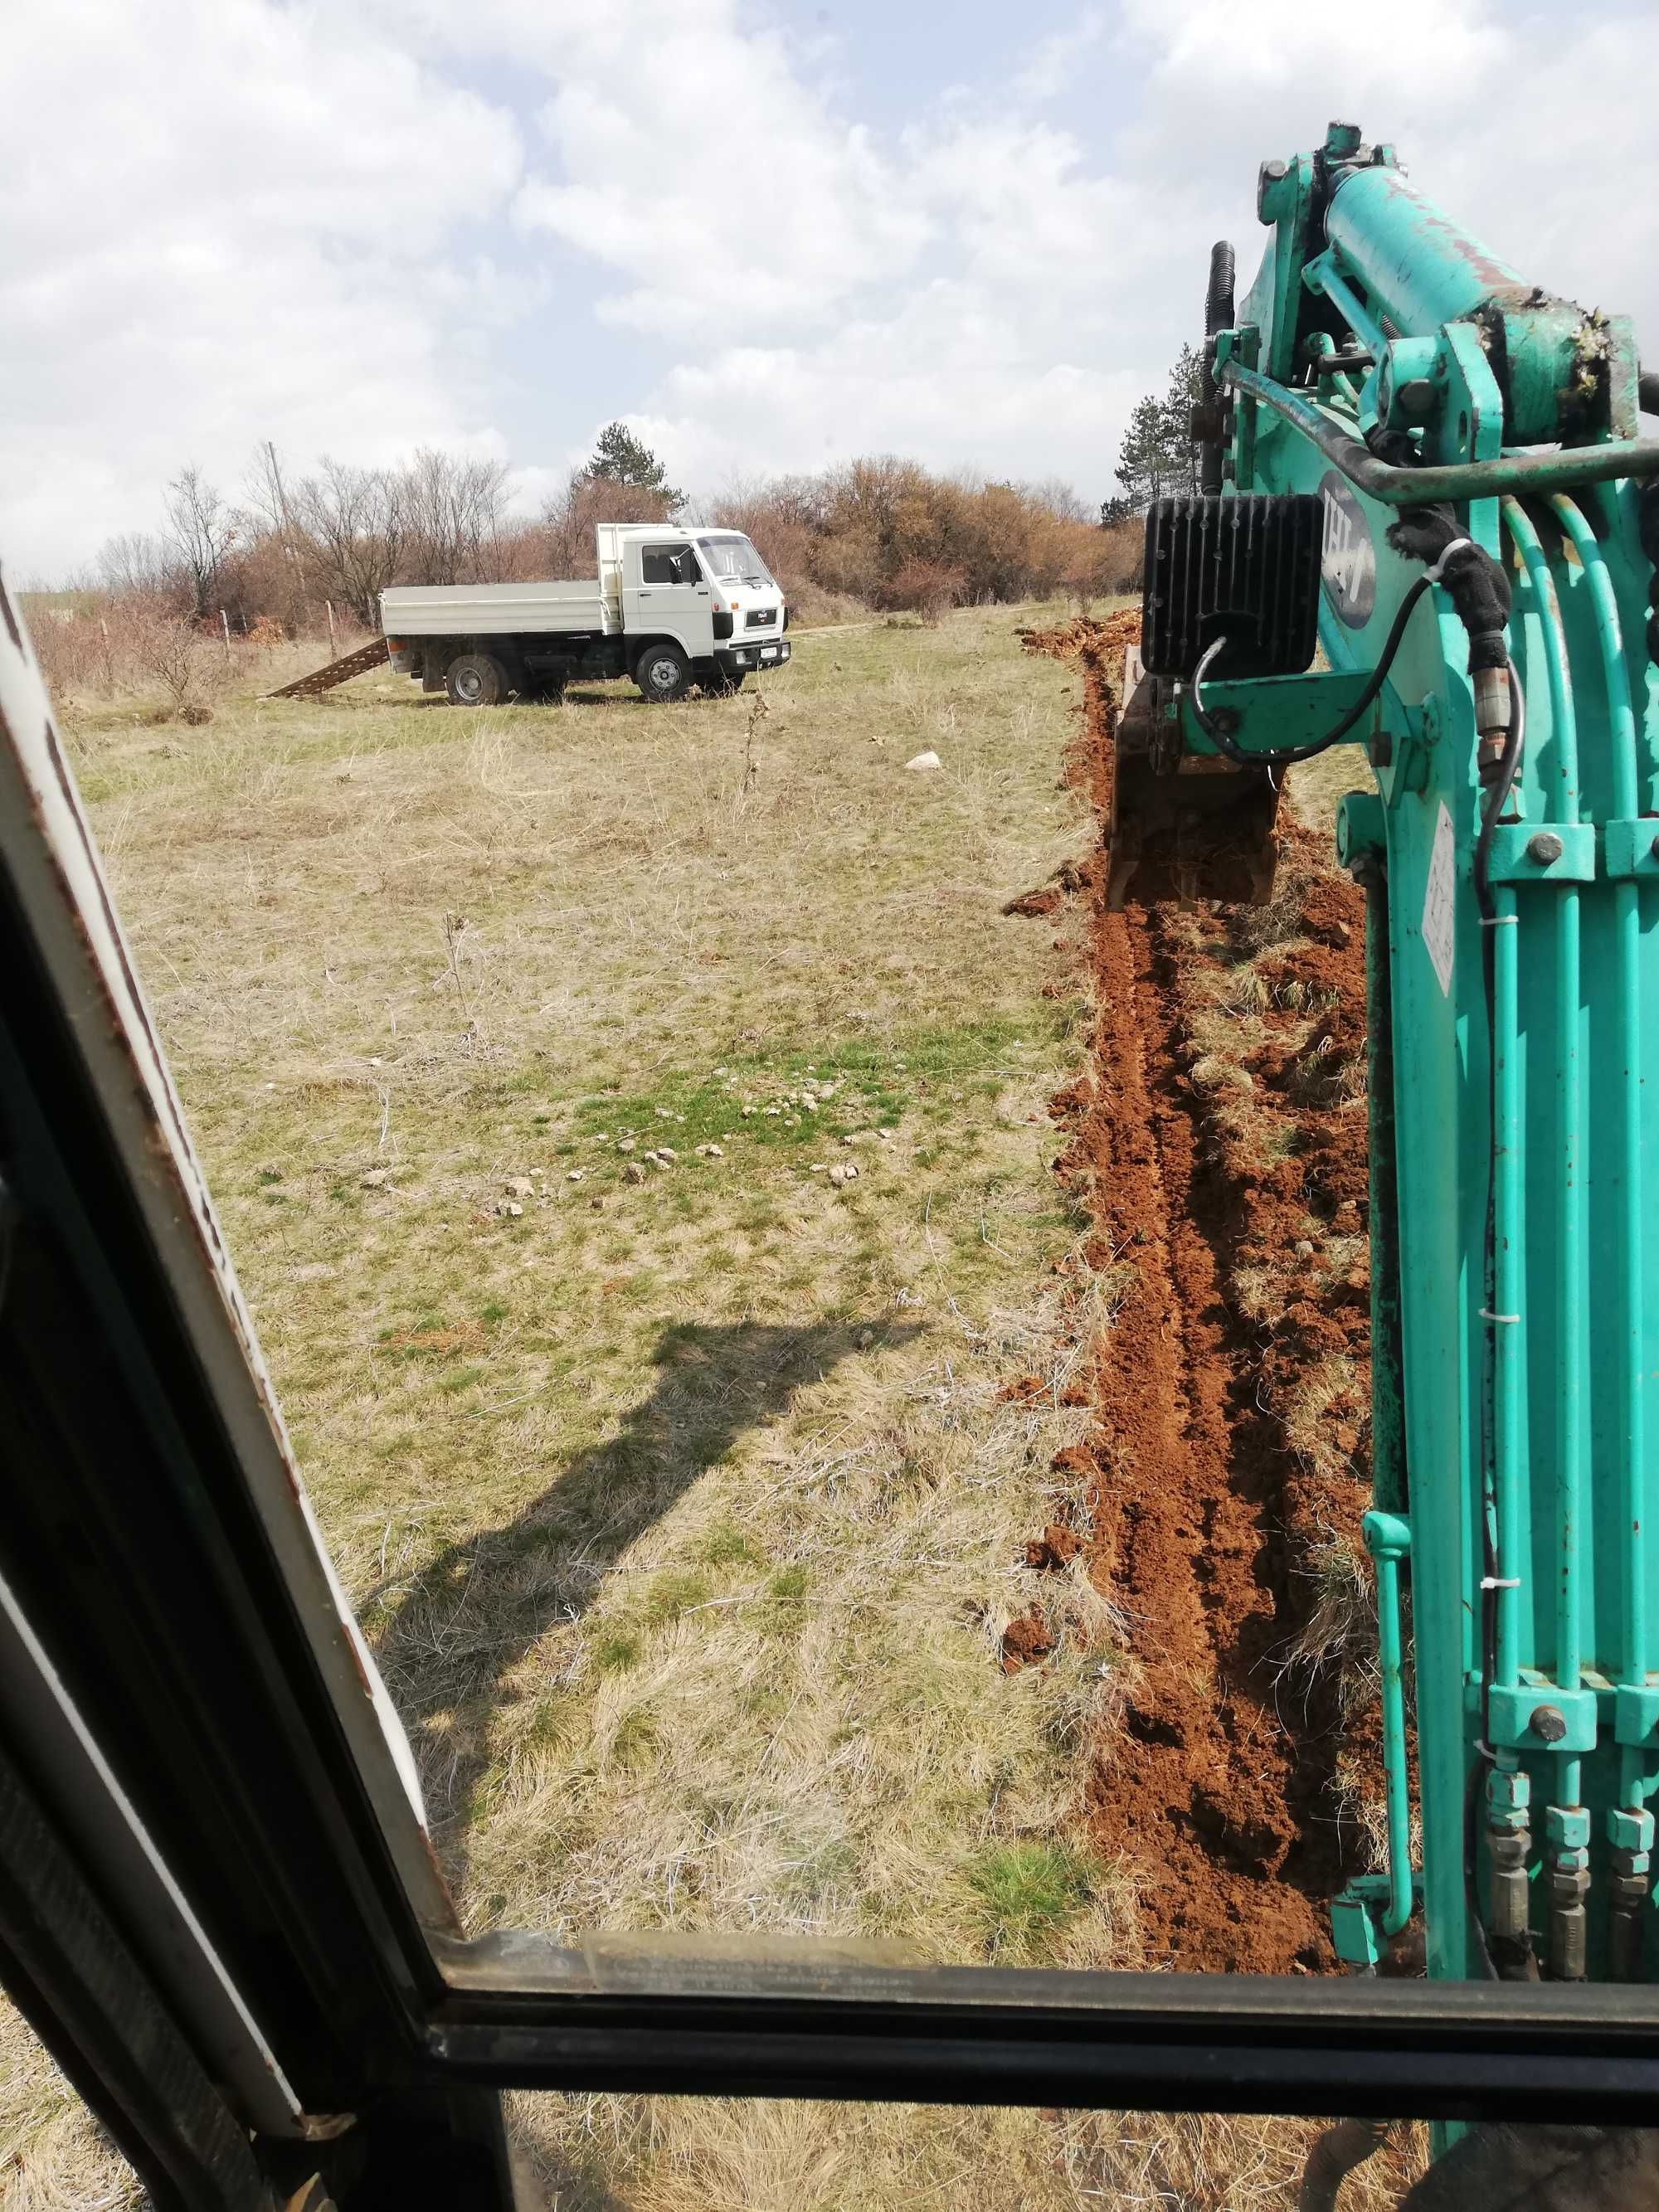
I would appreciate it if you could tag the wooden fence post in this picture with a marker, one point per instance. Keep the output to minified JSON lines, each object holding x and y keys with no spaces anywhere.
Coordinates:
{"x":333,"y":650}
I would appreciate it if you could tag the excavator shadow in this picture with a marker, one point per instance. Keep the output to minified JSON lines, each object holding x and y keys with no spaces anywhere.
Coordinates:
{"x":466,"y":1621}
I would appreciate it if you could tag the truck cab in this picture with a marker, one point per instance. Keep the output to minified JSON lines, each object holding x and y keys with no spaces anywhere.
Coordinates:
{"x":672,"y":605}
{"x":706,"y":592}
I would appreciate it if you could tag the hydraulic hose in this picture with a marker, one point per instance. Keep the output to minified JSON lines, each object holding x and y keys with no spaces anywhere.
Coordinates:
{"x":1217,"y":316}
{"x":1508,"y":1842}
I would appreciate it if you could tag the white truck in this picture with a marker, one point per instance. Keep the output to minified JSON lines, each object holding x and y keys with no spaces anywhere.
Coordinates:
{"x":671,"y":606}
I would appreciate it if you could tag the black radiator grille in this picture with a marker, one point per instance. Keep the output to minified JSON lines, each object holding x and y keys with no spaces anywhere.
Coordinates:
{"x":1244,"y":569}
{"x":760,"y":617}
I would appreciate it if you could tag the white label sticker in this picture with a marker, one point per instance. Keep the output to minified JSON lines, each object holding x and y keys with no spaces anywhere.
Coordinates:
{"x":1439,"y":926}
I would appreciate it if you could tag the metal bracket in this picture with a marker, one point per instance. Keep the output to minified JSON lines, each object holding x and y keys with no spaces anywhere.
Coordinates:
{"x":1272,"y":712}
{"x":1631,"y":849}
{"x":1635,"y":1714}
{"x":1513,"y":1722}
{"x":1554,"y":853}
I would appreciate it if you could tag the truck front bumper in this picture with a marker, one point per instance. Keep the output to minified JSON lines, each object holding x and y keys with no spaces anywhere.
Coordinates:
{"x":739,"y":656}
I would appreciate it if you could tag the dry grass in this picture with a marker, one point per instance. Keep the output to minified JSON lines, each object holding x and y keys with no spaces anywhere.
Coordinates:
{"x":682,"y":1502}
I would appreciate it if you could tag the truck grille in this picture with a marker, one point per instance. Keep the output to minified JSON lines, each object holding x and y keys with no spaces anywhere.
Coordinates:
{"x":760,"y":618}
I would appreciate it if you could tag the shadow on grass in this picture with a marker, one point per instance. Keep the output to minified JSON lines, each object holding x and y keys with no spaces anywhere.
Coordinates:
{"x":467,"y":1620}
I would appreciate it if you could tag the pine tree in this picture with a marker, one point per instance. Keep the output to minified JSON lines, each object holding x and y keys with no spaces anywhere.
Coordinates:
{"x":619,"y":458}
{"x":1157,"y":456}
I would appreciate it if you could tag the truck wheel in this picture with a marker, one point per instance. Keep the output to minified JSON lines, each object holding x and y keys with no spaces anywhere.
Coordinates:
{"x":720,"y":685}
{"x":475,"y":679}
{"x":663,"y":672}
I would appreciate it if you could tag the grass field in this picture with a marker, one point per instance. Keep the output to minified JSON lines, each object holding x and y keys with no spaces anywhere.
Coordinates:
{"x":685,"y":1497}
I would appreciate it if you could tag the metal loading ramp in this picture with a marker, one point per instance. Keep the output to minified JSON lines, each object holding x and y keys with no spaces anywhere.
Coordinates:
{"x":337,"y":672}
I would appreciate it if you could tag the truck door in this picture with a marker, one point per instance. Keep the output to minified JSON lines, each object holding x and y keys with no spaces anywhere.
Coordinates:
{"x":669,"y":595}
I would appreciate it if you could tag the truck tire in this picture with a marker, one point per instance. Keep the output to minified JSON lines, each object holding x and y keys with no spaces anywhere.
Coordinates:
{"x":663,"y":672}
{"x":475,"y":679}
{"x":718,"y":685}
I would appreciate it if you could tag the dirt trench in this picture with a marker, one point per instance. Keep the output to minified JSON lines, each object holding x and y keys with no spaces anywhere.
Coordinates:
{"x":1218,"y":1138}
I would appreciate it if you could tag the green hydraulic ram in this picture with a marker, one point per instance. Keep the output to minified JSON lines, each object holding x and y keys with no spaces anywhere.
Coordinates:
{"x":1484,"y":541}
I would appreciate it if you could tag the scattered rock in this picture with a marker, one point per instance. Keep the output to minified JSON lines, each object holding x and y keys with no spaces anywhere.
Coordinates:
{"x":632,"y":1171}
{"x":1304,"y":1250}
{"x":865,"y":1339}
{"x":598,"y":1205}
{"x":925,"y":760}
{"x":843,"y":1173}
{"x":624,"y":1144}
{"x":710,"y":1152}
{"x":509,"y":1206}
{"x":376,"y":1179}
{"x":518,"y":1186}
{"x":666,"y":1152}
{"x":574,"y":1175}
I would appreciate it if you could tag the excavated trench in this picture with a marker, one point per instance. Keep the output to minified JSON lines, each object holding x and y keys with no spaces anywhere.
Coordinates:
{"x":1218,"y":1138}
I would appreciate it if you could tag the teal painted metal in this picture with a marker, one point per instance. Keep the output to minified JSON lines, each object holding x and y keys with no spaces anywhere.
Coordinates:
{"x":1407,"y":487}
{"x":1275,"y":711}
{"x":1517,"y":1389}
{"x":1388,"y":1540}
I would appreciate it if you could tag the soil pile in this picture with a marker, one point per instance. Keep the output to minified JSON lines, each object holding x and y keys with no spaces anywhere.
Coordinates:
{"x":1219,"y":1139}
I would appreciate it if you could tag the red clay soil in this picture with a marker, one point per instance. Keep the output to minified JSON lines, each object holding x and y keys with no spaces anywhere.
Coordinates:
{"x":1215,"y":1794}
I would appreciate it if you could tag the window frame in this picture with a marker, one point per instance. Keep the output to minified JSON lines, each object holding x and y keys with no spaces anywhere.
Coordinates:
{"x":187,"y":1703}
{"x":669,"y":583}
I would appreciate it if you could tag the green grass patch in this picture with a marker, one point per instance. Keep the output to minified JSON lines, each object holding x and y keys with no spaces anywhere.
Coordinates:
{"x":1028,"y":1892}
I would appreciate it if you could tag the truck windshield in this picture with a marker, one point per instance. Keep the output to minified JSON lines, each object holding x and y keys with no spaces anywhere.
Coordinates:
{"x":734,"y":556}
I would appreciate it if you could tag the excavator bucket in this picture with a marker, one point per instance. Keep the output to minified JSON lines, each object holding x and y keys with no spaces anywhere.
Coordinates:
{"x":1185,"y":826}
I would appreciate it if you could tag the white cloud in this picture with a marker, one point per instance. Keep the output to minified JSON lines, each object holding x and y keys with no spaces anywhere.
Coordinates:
{"x":222,"y":224}
{"x":766,"y":223}
{"x":224,"y":220}
{"x":1054,"y":60}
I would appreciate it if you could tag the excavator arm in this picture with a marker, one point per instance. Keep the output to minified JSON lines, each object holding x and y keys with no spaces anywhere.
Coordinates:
{"x":1460,"y":449}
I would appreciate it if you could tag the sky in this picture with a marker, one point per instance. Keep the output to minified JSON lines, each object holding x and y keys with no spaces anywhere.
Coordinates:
{"x":767,"y":236}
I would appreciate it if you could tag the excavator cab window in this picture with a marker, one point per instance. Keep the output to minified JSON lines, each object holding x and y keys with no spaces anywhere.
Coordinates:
{"x":220,"y":1903}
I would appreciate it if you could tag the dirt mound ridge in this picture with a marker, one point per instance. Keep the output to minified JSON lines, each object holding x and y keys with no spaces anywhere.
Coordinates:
{"x":1220,"y":1142}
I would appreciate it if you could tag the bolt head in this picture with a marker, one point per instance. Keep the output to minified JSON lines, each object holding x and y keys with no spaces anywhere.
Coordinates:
{"x":1545,"y":848}
{"x":1549,"y":1723}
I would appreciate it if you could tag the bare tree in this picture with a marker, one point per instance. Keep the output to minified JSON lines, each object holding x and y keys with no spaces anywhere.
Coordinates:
{"x":201,"y":531}
{"x":355,"y":525}
{"x":454,"y":507}
{"x":137,"y":566}
{"x":569,"y":517}
{"x":170,"y":649}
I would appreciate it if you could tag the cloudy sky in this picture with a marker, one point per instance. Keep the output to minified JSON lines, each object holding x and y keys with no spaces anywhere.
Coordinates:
{"x":770,"y":233}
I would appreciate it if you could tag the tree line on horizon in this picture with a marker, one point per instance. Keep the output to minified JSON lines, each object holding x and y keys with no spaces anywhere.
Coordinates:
{"x":880,"y":532}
